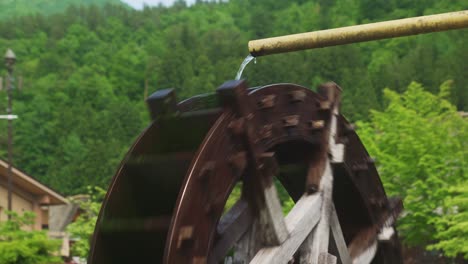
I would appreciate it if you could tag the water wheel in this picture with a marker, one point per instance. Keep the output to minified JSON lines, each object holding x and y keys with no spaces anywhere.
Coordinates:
{"x":167,"y":202}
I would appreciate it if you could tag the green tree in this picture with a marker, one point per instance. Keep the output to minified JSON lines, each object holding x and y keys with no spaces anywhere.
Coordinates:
{"x":419,"y":140}
{"x":24,"y":7}
{"x":85,"y":70}
{"x":83,"y":228}
{"x":19,"y":246}
{"x":452,"y":226}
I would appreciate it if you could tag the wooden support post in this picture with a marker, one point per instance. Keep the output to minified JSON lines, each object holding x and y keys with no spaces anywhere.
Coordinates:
{"x":317,"y":241}
{"x":269,"y":228}
{"x":232,"y":226}
{"x":300,"y":221}
{"x":248,"y":245}
{"x":162,"y":102}
{"x":262,"y":167}
{"x":271,"y":220}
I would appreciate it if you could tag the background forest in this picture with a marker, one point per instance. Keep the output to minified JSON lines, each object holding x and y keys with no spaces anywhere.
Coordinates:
{"x":84,"y":71}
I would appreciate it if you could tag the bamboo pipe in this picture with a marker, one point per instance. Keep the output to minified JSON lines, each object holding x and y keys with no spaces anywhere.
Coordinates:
{"x":359,"y":33}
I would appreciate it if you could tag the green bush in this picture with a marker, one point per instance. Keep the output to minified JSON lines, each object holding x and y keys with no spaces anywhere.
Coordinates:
{"x":419,"y":141}
{"x":83,"y":228}
{"x":19,"y":246}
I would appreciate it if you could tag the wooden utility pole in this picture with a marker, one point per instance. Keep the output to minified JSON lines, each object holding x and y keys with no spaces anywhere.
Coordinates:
{"x":10,"y":60}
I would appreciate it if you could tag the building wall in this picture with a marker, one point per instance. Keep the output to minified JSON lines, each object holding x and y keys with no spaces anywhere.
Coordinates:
{"x":20,"y":204}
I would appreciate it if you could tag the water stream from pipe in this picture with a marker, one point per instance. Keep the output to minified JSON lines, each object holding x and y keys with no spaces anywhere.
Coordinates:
{"x":246,"y":61}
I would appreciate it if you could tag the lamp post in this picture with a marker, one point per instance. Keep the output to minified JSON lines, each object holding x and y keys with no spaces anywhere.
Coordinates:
{"x":10,"y":60}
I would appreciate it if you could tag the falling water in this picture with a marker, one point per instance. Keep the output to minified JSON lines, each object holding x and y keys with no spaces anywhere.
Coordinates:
{"x":246,"y":61}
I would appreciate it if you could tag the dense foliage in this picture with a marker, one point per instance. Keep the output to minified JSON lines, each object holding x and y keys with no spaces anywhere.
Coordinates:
{"x":82,"y":229}
{"x":11,"y":8}
{"x":84,"y":74}
{"x":18,"y":246}
{"x":420,"y":142}
{"x":452,"y":227}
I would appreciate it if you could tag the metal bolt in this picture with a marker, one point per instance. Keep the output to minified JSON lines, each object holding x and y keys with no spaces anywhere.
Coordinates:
{"x":312,"y":188}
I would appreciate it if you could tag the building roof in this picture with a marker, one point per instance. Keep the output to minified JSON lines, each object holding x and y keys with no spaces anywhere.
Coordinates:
{"x":31,"y":185}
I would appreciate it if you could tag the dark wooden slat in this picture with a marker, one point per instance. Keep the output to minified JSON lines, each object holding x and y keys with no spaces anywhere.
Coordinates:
{"x":147,"y":224}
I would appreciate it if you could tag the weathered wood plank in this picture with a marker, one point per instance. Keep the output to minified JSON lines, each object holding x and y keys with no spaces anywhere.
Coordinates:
{"x":300,"y":222}
{"x":272,"y":226}
{"x":231,"y":227}
{"x":338,"y":239}
{"x":268,"y":228}
{"x":336,"y":150}
{"x":318,"y":240}
{"x":305,"y":251}
{"x":262,"y":194}
{"x":386,"y":233}
{"x":366,"y":256}
{"x":248,"y":245}
{"x":326,"y":258}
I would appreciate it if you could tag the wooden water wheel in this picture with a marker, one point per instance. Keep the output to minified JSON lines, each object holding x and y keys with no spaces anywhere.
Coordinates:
{"x":167,"y":202}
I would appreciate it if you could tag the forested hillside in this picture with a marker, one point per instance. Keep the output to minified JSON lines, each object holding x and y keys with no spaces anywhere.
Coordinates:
{"x":84,"y":70}
{"x":11,"y":8}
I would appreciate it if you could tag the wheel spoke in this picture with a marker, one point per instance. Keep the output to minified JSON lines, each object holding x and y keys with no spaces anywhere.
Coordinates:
{"x":326,"y":258}
{"x":300,"y":221}
{"x":318,"y":240}
{"x":263,"y":196}
{"x":272,"y":226}
{"x":337,"y":238}
{"x":231,"y":227}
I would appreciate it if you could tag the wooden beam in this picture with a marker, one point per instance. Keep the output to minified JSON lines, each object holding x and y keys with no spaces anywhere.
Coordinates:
{"x":338,"y":239}
{"x":269,"y":229}
{"x":326,"y":258}
{"x":336,"y":150}
{"x":366,"y":256}
{"x":44,"y":200}
{"x":272,"y":226}
{"x":248,"y":245}
{"x":318,"y":240}
{"x":386,"y":233}
{"x":28,"y":196}
{"x":300,"y":221}
{"x":231,"y":228}
{"x":260,"y":190}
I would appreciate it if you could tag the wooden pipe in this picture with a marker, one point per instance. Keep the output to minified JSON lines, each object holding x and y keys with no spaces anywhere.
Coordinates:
{"x":359,"y":33}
